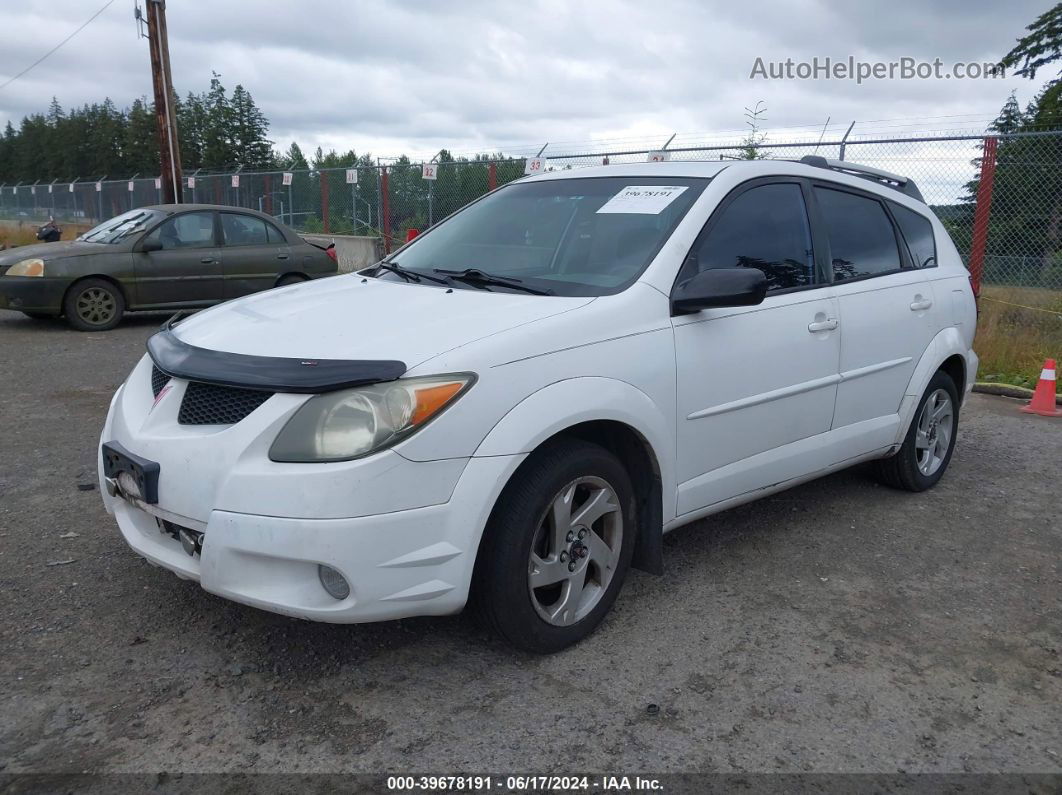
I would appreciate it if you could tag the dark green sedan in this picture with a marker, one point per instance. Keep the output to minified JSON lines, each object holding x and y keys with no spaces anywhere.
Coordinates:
{"x":173,"y":256}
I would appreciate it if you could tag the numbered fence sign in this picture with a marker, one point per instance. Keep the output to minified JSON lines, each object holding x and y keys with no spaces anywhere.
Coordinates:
{"x":535,"y":165}
{"x":49,"y":188}
{"x":659,"y":156}
{"x":71,"y":187}
{"x":130,"y":186}
{"x":352,"y":176}
{"x":286,"y":178}
{"x":33,"y":190}
{"x":99,"y":187}
{"x":191,"y":183}
{"x":158,"y":183}
{"x":429,"y":171}
{"x":235,"y":180}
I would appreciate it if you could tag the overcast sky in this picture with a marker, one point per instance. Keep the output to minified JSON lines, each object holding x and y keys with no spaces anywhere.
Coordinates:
{"x":394,"y":77}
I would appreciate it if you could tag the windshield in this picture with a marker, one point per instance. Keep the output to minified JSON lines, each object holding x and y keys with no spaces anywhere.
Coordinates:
{"x":591,"y":236}
{"x":122,"y":226}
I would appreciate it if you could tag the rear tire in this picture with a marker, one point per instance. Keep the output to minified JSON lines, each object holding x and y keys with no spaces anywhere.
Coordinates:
{"x":566,"y":522}
{"x":926,"y":451}
{"x":94,"y":305}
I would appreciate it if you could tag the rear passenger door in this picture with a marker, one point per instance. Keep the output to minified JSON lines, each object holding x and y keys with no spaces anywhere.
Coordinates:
{"x":253,"y":254}
{"x":886,"y":317}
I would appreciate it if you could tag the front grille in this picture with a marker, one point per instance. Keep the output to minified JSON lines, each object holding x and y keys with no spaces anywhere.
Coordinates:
{"x":158,"y":380}
{"x":209,"y":404}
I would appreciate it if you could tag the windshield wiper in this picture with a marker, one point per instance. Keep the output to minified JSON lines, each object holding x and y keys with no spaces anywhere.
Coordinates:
{"x":476,"y":276}
{"x":407,"y":274}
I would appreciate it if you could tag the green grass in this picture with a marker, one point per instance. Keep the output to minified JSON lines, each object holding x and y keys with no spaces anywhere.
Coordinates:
{"x":1018,"y":327}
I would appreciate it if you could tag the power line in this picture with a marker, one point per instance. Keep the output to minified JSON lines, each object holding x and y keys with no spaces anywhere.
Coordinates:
{"x":57,"y":46}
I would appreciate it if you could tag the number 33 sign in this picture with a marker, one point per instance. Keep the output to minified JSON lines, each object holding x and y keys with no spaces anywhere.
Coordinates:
{"x":535,"y":165}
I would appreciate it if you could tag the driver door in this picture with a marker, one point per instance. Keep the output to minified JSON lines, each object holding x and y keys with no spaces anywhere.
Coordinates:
{"x":186,"y":267}
{"x":755,"y":383}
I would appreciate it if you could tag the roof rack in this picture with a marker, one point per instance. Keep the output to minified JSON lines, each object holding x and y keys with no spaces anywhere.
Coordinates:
{"x":903,"y":184}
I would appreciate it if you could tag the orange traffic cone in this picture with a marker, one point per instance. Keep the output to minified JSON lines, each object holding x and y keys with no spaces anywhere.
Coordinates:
{"x":1043,"y":399}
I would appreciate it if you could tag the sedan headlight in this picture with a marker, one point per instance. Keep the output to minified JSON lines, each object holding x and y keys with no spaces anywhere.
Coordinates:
{"x":339,"y":426}
{"x":27,"y":267}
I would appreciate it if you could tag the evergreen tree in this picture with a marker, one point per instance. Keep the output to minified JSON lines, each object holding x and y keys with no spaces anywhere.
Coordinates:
{"x":217,"y":129}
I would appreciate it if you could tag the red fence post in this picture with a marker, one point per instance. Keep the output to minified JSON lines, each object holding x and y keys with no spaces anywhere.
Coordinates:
{"x":386,"y":222}
{"x":492,"y":176}
{"x":217,"y":190}
{"x":981,"y":214}
{"x":325,"y":224}
{"x":267,"y":202}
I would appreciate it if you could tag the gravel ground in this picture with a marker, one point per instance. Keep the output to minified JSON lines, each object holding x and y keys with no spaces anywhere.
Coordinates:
{"x":840,"y":626}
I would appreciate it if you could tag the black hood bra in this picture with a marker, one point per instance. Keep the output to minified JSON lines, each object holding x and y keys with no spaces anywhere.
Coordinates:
{"x":275,"y":374}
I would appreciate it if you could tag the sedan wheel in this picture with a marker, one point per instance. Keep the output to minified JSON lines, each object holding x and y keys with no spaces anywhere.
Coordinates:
{"x":933,"y":437}
{"x":93,"y":305}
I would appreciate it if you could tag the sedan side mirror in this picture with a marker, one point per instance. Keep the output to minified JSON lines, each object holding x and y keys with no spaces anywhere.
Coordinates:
{"x":147,"y":246}
{"x":719,"y":287}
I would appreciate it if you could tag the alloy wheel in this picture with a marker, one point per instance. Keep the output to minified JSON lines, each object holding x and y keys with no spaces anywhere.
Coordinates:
{"x":936,"y":424}
{"x":575,"y":551}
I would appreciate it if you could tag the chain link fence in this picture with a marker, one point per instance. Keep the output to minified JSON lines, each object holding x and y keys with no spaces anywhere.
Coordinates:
{"x":1000,"y":198}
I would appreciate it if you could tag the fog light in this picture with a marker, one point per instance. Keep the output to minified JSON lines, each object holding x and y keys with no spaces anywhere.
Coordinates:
{"x":333,"y":582}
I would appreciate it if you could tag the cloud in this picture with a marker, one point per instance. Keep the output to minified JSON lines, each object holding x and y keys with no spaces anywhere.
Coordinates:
{"x":469,"y":75}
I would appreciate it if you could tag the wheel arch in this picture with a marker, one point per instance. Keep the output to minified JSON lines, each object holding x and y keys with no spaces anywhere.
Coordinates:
{"x":615,"y":415}
{"x":102,"y":277}
{"x":948,"y":352}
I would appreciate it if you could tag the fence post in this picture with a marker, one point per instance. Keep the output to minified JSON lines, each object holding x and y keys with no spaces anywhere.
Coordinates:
{"x":325,"y":225}
{"x":492,"y":176}
{"x":268,"y":190}
{"x":981,"y":214}
{"x":386,"y":220}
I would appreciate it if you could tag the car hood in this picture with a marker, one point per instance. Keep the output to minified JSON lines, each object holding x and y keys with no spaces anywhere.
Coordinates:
{"x":354,"y":317}
{"x":47,"y":251}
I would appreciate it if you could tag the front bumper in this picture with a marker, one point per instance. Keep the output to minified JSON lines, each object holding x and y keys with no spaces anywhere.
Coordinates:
{"x":32,"y":293}
{"x":399,"y":564}
{"x":403,"y":533}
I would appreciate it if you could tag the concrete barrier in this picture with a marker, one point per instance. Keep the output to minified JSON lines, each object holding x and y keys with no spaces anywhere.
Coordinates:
{"x":353,"y":252}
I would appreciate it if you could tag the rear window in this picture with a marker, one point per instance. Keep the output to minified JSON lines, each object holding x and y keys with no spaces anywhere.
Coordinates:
{"x":862,"y":239}
{"x":917,"y":231}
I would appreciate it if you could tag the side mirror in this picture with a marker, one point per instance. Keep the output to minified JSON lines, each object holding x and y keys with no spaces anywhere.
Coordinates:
{"x":147,"y":246}
{"x":720,"y":287}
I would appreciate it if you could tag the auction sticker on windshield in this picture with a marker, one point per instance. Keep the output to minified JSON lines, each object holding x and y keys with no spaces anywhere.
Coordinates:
{"x":644,"y":199}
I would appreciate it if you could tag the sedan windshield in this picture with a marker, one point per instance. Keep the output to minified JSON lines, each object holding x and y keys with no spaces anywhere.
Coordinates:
{"x":122,"y":226}
{"x":590,"y":236}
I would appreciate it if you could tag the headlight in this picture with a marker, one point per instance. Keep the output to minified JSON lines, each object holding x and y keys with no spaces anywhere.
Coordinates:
{"x":340,"y":426}
{"x":28,"y":267}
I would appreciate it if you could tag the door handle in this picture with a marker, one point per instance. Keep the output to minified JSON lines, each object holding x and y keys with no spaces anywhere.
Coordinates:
{"x":829,"y":324}
{"x":920,"y":303}
{"x":282,"y":256}
{"x":207,"y":260}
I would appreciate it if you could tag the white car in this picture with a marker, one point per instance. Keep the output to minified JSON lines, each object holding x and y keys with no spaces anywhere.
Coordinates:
{"x":516,"y":406}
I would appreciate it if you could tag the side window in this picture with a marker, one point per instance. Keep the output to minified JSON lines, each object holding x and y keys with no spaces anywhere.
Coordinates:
{"x":918,"y":232}
{"x":243,"y":230}
{"x":862,"y":240}
{"x":274,"y":235}
{"x":189,"y":230}
{"x":765,"y":227}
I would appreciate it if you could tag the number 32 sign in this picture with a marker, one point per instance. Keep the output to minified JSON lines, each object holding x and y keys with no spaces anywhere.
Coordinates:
{"x":429,"y":171}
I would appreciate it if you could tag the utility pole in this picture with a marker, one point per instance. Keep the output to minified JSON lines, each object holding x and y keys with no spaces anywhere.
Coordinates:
{"x":165,"y":120}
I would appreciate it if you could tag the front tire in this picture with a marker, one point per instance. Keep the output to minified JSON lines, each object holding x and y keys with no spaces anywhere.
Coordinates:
{"x":94,"y":305}
{"x":557,"y":547}
{"x":926,"y":451}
